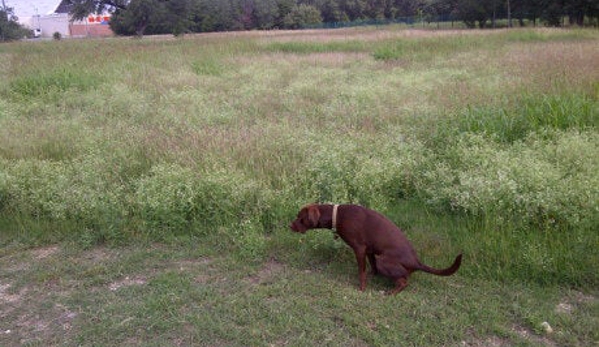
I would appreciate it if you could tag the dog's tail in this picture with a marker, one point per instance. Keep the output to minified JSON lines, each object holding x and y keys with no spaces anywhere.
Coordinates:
{"x":443,"y":272}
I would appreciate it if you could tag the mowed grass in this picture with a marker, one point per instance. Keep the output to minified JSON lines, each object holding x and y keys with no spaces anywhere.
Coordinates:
{"x":146,"y":187}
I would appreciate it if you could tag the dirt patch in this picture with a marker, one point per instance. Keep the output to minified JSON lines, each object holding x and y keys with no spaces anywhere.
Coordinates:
{"x":5,"y":296}
{"x":267,"y":273}
{"x":22,"y":261}
{"x":564,"y":307}
{"x":99,"y":255}
{"x":45,"y":252}
{"x":569,"y":304}
{"x":532,"y":337}
{"x":190,"y":264}
{"x":38,"y":326}
{"x":493,"y":341}
{"x":127,"y":282}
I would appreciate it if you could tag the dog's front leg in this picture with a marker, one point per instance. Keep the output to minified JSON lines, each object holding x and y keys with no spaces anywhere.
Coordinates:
{"x":361,"y":258}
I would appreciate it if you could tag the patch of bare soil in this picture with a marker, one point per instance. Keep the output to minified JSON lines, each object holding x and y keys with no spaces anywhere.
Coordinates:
{"x":99,"y":254}
{"x":31,"y":312}
{"x":23,"y":320}
{"x":44,"y":252}
{"x":267,"y":273}
{"x":569,"y":303}
{"x":31,"y":327}
{"x":6,"y":296}
{"x":492,"y":341}
{"x":127,"y":282}
{"x":532,"y":337}
{"x":192,"y":264}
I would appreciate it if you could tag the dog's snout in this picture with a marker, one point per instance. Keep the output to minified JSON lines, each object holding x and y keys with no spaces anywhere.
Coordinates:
{"x":296,"y":226}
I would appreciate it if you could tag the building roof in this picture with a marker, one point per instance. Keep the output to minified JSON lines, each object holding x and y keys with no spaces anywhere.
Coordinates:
{"x":63,"y":7}
{"x":30,"y":8}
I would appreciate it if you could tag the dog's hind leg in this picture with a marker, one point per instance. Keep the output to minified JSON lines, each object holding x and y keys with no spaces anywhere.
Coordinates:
{"x":396,"y":272}
{"x":372,"y":260}
{"x":400,"y":284}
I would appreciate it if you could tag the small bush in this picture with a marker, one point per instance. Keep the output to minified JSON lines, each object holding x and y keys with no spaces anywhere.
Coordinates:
{"x":539,"y":182}
{"x":175,"y":198}
{"x":78,"y":190}
{"x":374,"y":175}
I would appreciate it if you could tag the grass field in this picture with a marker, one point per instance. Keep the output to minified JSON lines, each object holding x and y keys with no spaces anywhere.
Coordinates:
{"x":146,"y":187}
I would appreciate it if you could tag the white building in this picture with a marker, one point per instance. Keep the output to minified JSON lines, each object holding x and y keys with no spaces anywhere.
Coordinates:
{"x":47,"y":17}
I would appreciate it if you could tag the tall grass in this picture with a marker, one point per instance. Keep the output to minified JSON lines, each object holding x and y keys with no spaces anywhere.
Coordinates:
{"x":235,"y":133}
{"x":52,"y":83}
{"x":532,"y":114}
{"x":298,"y":47}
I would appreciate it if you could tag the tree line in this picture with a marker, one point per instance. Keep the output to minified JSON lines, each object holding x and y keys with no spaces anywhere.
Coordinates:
{"x":136,"y":17}
{"x":10,"y":29}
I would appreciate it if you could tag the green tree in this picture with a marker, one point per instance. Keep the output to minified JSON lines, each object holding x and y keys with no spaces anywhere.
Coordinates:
{"x":354,"y":9}
{"x":553,"y":13}
{"x":302,"y":16}
{"x":135,"y":19}
{"x":82,"y":8}
{"x":10,"y":29}
{"x":331,"y":11}
{"x":472,"y":11}
{"x":215,"y":15}
{"x":577,"y":10}
{"x":265,"y":14}
{"x":178,"y":16}
{"x":284,"y":7}
{"x":375,"y":9}
{"x":408,"y":8}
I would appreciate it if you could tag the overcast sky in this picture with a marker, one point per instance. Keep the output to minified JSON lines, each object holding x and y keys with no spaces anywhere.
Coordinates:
{"x":28,"y":8}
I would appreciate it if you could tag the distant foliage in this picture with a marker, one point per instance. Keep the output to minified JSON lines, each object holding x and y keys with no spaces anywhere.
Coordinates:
{"x":138,"y":17}
{"x":302,"y":16}
{"x":10,"y":29}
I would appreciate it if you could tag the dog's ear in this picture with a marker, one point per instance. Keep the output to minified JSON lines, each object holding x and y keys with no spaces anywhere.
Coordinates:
{"x":313,"y":215}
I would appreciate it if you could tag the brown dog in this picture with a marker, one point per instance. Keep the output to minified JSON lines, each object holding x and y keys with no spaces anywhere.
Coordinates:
{"x":371,"y":234}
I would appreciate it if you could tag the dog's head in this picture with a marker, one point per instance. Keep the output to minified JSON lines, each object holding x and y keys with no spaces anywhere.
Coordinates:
{"x":307,"y":218}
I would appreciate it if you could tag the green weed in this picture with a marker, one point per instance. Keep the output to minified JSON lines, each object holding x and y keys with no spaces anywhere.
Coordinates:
{"x":209,"y":67}
{"x":532,"y":114}
{"x":51,"y":83}
{"x":317,"y":47}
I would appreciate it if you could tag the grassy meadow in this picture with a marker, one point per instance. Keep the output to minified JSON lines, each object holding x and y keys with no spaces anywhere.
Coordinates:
{"x":146,"y":187}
